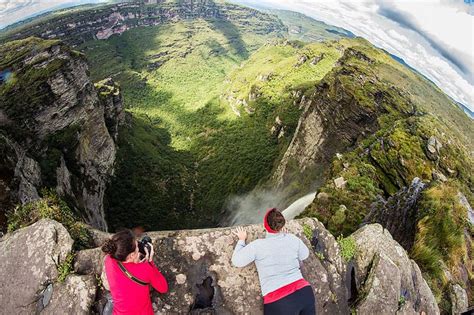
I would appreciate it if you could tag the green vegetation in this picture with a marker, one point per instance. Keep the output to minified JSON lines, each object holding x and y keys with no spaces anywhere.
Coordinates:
{"x":401,"y":301}
{"x":440,"y":243}
{"x":65,"y":268}
{"x":50,"y":206}
{"x":347,"y":246}
{"x":180,"y":82}
{"x":308,"y":232}
{"x":277,"y":70}
{"x":26,"y":77}
{"x":320,"y":255}
{"x":185,"y":151}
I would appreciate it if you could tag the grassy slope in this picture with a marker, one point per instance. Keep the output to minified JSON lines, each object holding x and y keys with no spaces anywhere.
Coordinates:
{"x":389,"y":159}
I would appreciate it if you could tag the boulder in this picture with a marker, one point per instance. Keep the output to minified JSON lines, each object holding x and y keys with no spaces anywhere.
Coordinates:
{"x":198,"y":262}
{"x":458,"y":297}
{"x":323,"y":196}
{"x":381,"y":287}
{"x":74,"y":296}
{"x":439,"y":176}
{"x":432,"y":148}
{"x":340,"y":183}
{"x":89,"y":261}
{"x":379,"y":257}
{"x":28,"y":259}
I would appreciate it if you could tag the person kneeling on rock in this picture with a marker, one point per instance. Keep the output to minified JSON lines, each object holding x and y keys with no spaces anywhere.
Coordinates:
{"x":129,"y":275}
{"x":277,"y":258}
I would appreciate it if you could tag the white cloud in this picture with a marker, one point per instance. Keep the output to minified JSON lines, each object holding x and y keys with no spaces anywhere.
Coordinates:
{"x":12,"y":11}
{"x":434,"y":37}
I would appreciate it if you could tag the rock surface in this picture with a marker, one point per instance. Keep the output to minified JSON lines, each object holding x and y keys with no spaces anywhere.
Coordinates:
{"x":385,"y":273}
{"x":74,"y":296}
{"x":61,"y":138}
{"x":398,"y":214}
{"x":197,"y":265}
{"x":28,"y":259}
{"x":459,"y":299}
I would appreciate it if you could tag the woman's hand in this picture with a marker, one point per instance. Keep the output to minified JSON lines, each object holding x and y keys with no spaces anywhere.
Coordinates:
{"x":241,"y":233}
{"x":148,"y":255}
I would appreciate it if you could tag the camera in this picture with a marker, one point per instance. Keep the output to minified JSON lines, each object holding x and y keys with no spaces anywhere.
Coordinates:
{"x":144,"y":242}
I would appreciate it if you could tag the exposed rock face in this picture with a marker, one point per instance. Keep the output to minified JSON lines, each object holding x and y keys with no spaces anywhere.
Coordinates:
{"x":28,"y":259}
{"x":197,"y":265}
{"x":465,"y":204}
{"x":385,"y":273}
{"x":75,"y":296}
{"x":104,"y":21}
{"x":111,"y":99}
{"x":398,"y":214}
{"x":333,"y":120}
{"x":459,"y":299}
{"x":56,"y":135}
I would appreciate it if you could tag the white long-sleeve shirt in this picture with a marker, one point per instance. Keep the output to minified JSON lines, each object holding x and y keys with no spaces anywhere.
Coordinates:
{"x":277,"y":258}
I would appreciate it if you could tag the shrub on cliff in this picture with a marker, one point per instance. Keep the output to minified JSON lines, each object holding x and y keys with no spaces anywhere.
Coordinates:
{"x":50,"y":206}
{"x":440,"y":243}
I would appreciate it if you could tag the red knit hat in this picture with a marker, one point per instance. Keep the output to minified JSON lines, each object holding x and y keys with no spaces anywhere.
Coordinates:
{"x":265,"y":221}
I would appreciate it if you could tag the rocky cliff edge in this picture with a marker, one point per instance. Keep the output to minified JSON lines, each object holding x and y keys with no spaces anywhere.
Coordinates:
{"x":367,"y":273}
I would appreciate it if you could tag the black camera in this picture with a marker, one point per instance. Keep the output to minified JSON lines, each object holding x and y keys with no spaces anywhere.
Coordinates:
{"x":145,"y":242}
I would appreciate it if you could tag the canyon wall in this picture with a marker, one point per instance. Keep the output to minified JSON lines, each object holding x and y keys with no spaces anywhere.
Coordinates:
{"x":56,"y":127}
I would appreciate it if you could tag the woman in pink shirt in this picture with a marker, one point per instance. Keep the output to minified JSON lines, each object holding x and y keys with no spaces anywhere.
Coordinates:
{"x":129,"y":276}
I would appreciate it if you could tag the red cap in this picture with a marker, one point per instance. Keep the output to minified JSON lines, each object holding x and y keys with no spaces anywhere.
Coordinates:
{"x":265,"y":222}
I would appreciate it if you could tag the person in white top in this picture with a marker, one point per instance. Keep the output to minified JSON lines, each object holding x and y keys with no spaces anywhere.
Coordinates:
{"x":277,"y":258}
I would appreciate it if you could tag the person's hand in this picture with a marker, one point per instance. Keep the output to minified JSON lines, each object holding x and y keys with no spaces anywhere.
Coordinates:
{"x":240,"y":233}
{"x":152,"y":252}
{"x":148,"y":255}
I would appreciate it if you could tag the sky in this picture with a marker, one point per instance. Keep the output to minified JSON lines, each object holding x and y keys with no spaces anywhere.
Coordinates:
{"x":12,"y":11}
{"x":436,"y":37}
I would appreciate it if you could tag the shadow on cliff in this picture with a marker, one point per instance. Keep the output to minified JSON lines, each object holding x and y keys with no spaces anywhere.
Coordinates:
{"x":150,"y":186}
{"x":161,"y":187}
{"x":233,"y":36}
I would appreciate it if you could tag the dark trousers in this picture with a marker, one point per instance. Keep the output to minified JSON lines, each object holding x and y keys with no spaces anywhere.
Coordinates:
{"x":300,"y":302}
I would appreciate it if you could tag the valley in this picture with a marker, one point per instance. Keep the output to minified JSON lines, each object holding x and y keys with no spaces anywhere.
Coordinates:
{"x":184,"y":115}
{"x":190,"y":146}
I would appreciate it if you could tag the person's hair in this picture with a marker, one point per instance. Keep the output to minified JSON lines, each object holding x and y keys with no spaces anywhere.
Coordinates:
{"x":120,"y":245}
{"x":275,"y":220}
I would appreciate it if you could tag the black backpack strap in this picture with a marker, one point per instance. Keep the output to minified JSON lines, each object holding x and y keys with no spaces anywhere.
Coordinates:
{"x":130,"y":276}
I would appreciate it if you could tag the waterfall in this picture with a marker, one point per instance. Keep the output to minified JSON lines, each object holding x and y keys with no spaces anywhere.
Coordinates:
{"x":298,"y":206}
{"x":250,"y":209}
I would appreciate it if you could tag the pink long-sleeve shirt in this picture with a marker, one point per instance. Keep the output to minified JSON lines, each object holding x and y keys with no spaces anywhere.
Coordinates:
{"x":130,"y":297}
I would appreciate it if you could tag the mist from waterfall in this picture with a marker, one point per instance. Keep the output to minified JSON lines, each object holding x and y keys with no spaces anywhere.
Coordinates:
{"x":251,"y":208}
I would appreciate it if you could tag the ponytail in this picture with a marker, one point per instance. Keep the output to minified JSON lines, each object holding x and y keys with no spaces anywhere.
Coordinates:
{"x":120,"y":245}
{"x":109,"y":247}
